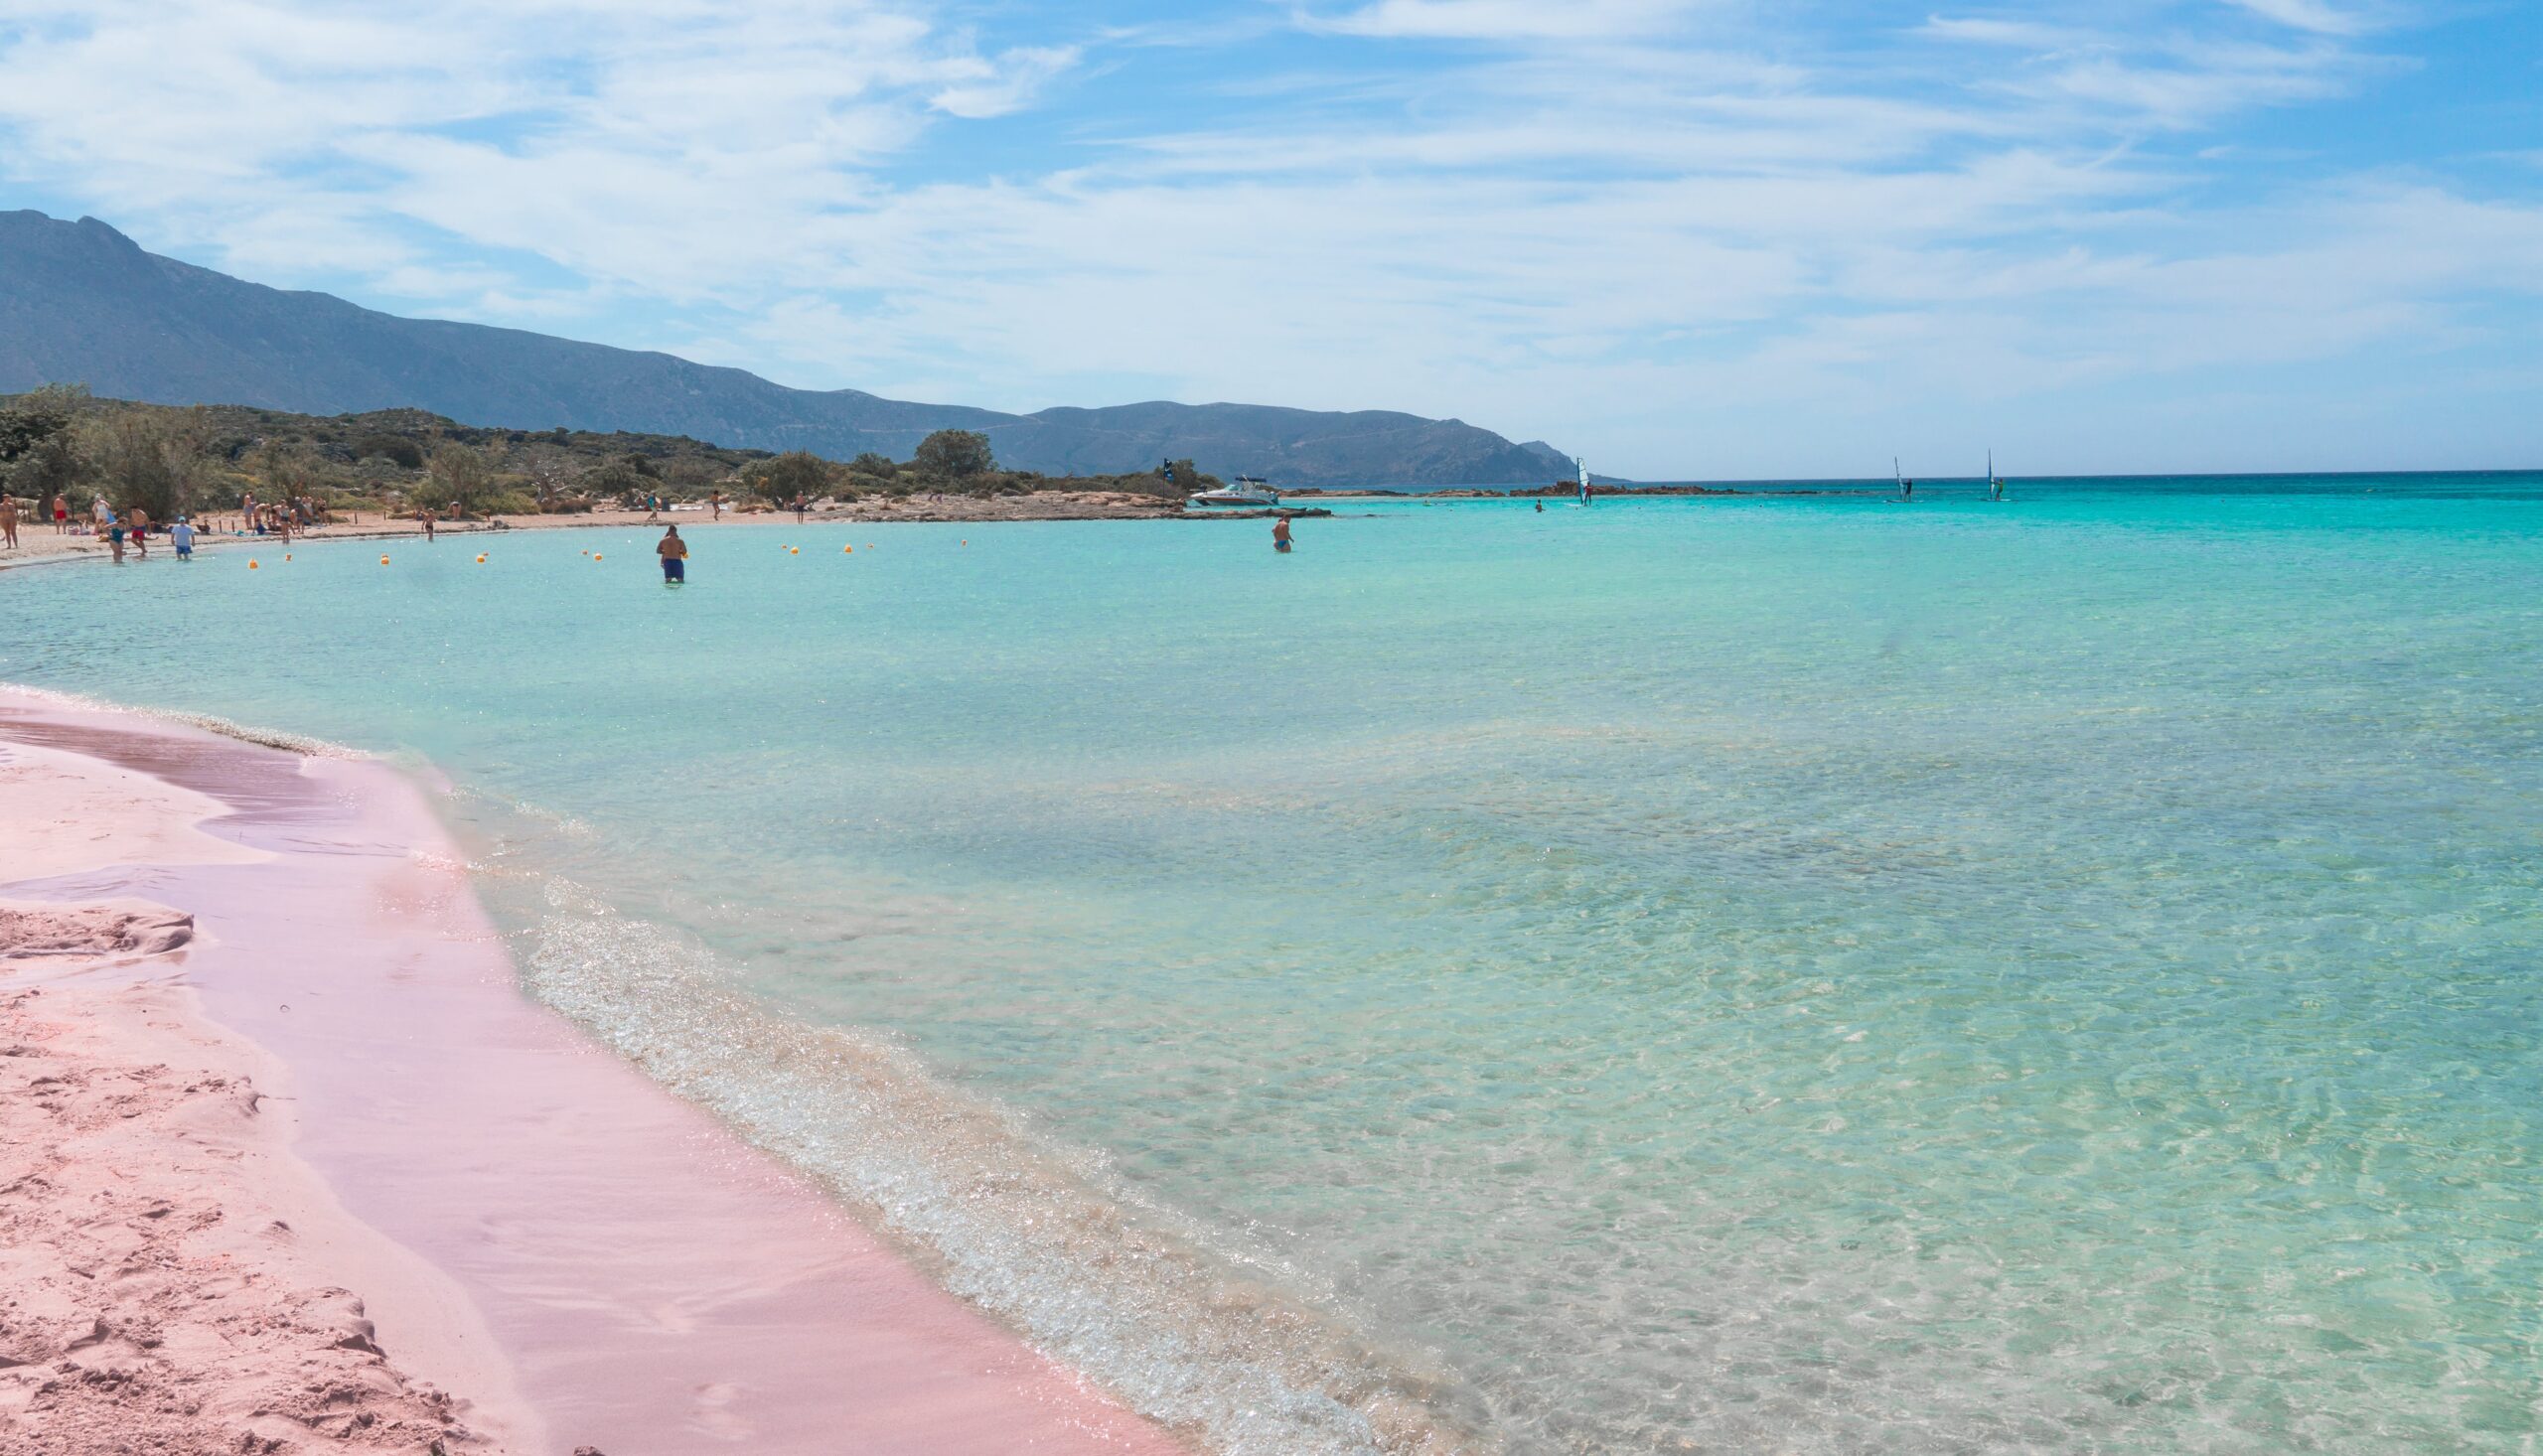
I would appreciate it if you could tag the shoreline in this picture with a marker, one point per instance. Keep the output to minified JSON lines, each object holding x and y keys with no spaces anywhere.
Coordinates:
{"x":574,"y":1255}
{"x":40,"y":545}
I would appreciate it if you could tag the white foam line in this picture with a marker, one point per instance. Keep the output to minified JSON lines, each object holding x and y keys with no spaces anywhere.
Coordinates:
{"x":1143,"y":1305}
{"x":297,"y":743}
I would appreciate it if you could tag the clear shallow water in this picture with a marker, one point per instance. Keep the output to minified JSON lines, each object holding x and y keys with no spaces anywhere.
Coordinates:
{"x":1759,"y":974}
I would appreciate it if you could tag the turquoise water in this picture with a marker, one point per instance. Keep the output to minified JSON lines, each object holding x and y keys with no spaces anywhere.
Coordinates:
{"x":1766,"y":974}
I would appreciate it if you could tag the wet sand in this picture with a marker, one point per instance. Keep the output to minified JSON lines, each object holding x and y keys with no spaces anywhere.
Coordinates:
{"x":288,"y":1009}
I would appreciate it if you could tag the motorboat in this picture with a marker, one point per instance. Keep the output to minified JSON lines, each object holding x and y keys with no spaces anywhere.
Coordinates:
{"x":1244,"y":489}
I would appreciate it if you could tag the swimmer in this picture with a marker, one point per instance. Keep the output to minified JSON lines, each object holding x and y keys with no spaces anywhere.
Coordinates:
{"x":1280,"y":536}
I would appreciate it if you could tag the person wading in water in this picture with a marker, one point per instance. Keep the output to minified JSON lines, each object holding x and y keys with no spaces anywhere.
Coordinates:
{"x":675,"y":554}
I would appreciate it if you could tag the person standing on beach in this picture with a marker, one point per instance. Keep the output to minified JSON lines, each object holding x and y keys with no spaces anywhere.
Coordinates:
{"x":1280,"y":534}
{"x":715,"y":502}
{"x":426,"y":517}
{"x":60,"y":515}
{"x":9,"y":521}
{"x":675,"y":554}
{"x":799,"y":508}
{"x":140,"y":532}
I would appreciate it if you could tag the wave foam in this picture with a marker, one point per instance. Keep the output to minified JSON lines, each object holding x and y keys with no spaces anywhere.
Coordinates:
{"x":1180,"y":1330}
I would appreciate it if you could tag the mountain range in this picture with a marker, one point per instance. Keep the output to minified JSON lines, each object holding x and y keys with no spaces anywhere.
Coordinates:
{"x":81,"y":303}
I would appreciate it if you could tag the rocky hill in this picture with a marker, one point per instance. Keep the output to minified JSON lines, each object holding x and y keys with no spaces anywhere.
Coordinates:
{"x":81,"y":303}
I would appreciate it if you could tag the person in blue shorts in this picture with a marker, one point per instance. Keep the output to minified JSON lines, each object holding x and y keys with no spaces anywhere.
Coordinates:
{"x":182,"y":536}
{"x":675,"y":554}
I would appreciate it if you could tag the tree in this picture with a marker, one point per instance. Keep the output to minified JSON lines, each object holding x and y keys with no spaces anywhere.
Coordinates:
{"x":457,"y":477}
{"x":397,"y":448}
{"x":37,"y":417}
{"x":151,"y":459}
{"x":286,"y":473}
{"x":628,"y":477}
{"x":550,"y":476}
{"x":689,"y":474}
{"x":794,"y":473}
{"x":873,"y":464}
{"x":55,"y":467}
{"x":955,"y":454}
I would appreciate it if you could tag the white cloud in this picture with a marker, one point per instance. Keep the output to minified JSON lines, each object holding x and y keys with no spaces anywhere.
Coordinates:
{"x":2308,"y":15}
{"x":651,"y":145}
{"x":1601,"y":223}
{"x":996,"y":87}
{"x":1503,"y":19}
{"x":1989,"y":31}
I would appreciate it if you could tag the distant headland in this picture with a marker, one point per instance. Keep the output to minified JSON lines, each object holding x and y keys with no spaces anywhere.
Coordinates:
{"x":81,"y":303}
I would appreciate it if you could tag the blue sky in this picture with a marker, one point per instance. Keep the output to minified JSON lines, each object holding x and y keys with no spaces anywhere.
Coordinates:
{"x":1685,"y":238}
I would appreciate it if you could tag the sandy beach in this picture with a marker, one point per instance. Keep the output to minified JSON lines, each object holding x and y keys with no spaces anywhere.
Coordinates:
{"x":287,"y":1162}
{"x":40,"y":542}
{"x":41,"y":545}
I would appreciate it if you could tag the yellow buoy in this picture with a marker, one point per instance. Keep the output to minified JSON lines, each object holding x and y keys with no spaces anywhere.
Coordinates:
{"x":481,"y":558}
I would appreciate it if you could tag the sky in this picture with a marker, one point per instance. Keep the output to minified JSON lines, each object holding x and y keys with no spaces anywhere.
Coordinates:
{"x":1685,"y":239}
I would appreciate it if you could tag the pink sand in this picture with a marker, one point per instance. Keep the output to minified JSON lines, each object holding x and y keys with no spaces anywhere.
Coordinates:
{"x":658,"y":1285}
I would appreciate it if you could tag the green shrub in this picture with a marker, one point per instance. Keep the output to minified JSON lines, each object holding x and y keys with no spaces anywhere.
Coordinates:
{"x":405,"y":453}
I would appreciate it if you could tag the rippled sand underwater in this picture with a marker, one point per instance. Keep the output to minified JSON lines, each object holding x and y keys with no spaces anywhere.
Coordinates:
{"x":1765,"y":974}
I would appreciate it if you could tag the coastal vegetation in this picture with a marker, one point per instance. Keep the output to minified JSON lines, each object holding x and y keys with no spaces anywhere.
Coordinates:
{"x":168,"y":460}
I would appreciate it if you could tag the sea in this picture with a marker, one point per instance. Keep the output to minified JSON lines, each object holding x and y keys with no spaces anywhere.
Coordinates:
{"x":1768,"y":973}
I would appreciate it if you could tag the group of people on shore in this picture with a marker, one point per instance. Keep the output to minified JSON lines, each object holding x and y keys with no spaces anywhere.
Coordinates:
{"x":278,"y":517}
{"x":59,"y":510}
{"x":131,"y":528}
{"x":120,"y":531}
